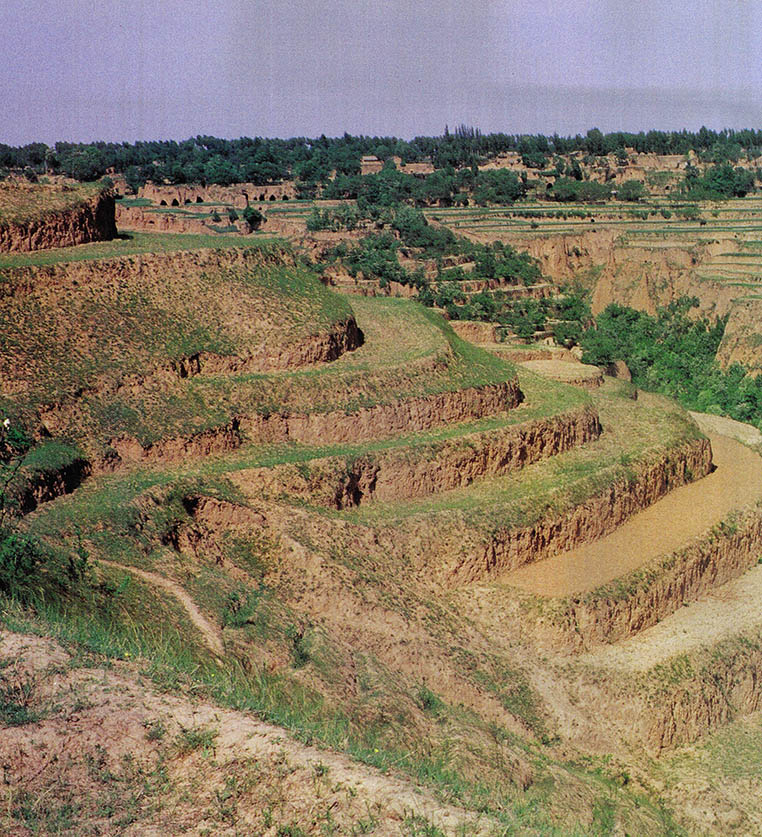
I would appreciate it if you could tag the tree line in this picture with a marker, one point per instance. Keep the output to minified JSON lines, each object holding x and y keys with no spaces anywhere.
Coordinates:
{"x":207,"y":159}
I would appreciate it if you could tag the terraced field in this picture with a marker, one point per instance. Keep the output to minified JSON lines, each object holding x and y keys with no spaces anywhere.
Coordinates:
{"x":333,"y":542}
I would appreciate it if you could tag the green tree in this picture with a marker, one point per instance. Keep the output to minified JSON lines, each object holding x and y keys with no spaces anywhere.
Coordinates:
{"x":631,"y":190}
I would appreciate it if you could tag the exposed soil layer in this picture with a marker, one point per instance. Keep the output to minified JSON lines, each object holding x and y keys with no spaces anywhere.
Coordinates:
{"x":642,"y":276}
{"x":665,"y":527}
{"x":412,"y":415}
{"x":680,"y":700}
{"x":339,"y":337}
{"x":510,"y":549}
{"x":42,"y":486}
{"x":475,"y":331}
{"x":639,"y":600}
{"x":342,"y":483}
{"x":717,"y":687}
{"x":720,"y":613}
{"x":367,"y":423}
{"x":89,"y":221}
{"x":741,"y":339}
{"x":151,"y":266}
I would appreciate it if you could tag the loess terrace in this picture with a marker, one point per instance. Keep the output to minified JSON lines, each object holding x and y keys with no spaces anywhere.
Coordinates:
{"x":313,"y":549}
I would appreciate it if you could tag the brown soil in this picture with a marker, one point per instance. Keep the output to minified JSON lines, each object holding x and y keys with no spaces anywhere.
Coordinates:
{"x":105,"y":735}
{"x":383,"y":420}
{"x":411,"y":472}
{"x":741,"y":338}
{"x":725,"y":611}
{"x":90,"y":221}
{"x":685,"y":513}
{"x":474,"y":331}
{"x":463,"y":557}
{"x":645,"y":596}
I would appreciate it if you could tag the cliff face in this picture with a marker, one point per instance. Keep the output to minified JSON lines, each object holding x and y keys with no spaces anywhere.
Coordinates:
{"x":741,"y":341}
{"x":641,"y":276}
{"x":456,"y":555}
{"x":92,"y":220}
{"x":339,"y":484}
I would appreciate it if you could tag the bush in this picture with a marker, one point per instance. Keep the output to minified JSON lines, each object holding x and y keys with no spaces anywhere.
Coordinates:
{"x":253,"y":217}
{"x":20,"y":556}
{"x":631,"y":190}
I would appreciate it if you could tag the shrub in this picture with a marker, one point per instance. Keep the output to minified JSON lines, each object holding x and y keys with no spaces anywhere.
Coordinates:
{"x":20,"y":556}
{"x":253,"y":217}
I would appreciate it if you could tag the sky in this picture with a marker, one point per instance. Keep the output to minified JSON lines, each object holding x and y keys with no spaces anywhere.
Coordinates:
{"x":123,"y":70}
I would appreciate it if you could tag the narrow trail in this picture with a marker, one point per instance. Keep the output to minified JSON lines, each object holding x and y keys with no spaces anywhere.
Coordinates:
{"x":210,"y":633}
{"x":662,"y":528}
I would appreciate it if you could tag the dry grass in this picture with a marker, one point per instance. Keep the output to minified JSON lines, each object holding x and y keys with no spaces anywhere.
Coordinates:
{"x":21,"y":202}
{"x":132,"y":244}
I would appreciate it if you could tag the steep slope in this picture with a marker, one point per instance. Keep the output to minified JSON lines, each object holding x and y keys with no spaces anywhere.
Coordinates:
{"x":39,"y":217}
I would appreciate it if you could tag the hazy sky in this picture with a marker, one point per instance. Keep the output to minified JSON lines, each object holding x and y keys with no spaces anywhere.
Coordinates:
{"x":133,"y":69}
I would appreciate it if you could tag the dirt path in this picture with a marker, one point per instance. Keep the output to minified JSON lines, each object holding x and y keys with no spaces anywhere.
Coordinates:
{"x":664,"y":527}
{"x":746,"y":433}
{"x":210,"y":633}
{"x":726,"y":611}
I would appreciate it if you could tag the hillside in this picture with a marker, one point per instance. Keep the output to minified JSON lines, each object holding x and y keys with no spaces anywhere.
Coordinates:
{"x":331,"y":568}
{"x":42,"y":216}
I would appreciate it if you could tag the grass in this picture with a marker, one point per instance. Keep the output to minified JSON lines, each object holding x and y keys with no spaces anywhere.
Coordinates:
{"x":280,"y":699}
{"x":140,"y":326}
{"x":22,"y":202}
{"x":555,"y":485}
{"x":132,"y":244}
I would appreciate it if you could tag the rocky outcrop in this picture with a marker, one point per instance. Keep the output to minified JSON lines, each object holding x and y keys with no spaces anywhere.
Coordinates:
{"x":417,"y":471}
{"x":90,"y":220}
{"x":460,"y":556}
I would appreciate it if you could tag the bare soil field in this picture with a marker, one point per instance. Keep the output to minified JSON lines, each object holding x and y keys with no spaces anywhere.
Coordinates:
{"x":668,"y":524}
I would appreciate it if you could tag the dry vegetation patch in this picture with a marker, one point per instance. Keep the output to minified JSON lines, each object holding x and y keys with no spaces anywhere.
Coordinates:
{"x":22,"y":202}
